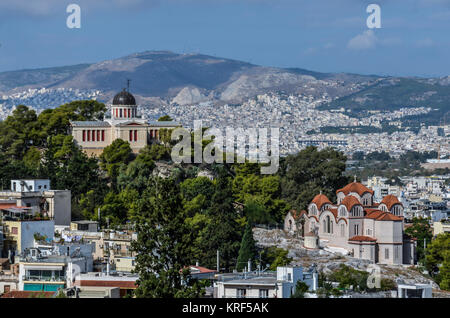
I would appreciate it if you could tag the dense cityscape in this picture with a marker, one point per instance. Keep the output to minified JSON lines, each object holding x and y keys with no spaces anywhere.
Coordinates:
{"x":221,"y":157}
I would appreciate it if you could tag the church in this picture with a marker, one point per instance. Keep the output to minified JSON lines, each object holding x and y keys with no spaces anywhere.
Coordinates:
{"x":355,"y":225}
{"x":122,"y":121}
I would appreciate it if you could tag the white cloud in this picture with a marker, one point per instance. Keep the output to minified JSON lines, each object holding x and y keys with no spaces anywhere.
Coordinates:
{"x":364,"y":41}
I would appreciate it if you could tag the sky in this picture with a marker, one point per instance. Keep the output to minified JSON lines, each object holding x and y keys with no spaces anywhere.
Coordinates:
{"x":319,"y":35}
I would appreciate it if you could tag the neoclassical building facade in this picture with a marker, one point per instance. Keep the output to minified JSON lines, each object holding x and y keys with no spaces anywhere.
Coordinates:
{"x":364,"y":228}
{"x":124,"y":122}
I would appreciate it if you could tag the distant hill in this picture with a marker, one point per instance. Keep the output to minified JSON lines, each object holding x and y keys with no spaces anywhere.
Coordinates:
{"x":192,"y":78}
{"x":165,"y":74}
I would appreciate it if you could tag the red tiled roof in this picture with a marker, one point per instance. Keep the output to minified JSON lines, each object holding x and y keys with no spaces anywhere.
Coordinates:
{"x":107,"y":283}
{"x":8,"y":205}
{"x":379,"y":215}
{"x":362,"y":238}
{"x":389,"y":217}
{"x":295,"y":214}
{"x":355,"y":187}
{"x":320,"y":200}
{"x":350,"y":201}
{"x":203,"y":270}
{"x":334,"y":211}
{"x":390,"y":200}
{"x":27,"y":294}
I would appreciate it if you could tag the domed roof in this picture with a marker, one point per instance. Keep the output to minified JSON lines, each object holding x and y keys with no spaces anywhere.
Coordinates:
{"x":124,"y":98}
{"x":355,"y":187}
{"x":390,"y":200}
{"x":350,"y":201}
{"x":320,"y":200}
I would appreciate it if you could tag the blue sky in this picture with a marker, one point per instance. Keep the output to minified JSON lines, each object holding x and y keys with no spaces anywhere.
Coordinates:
{"x":320,"y":35}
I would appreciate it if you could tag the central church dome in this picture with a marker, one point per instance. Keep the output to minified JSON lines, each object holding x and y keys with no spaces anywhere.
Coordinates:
{"x":124,"y":98}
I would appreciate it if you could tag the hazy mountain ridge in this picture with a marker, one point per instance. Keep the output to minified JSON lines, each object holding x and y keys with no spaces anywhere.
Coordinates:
{"x":192,"y":78}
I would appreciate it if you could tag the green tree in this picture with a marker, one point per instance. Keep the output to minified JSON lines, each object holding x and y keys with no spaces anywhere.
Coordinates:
{"x":438,"y":260}
{"x":19,"y":132}
{"x":347,"y":276}
{"x":310,"y":171}
{"x":191,"y":188}
{"x":300,"y":289}
{"x":256,"y":213}
{"x":248,"y":248}
{"x":70,"y":168}
{"x":163,"y":245}
{"x":165,"y":118}
{"x":223,"y":233}
{"x":113,"y":156}
{"x":420,"y":230}
{"x":275,"y":257}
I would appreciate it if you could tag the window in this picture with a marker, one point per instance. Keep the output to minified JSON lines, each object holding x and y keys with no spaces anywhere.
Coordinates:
{"x":98,"y":135}
{"x":386,"y":253}
{"x":396,"y":248}
{"x":135,"y":135}
{"x":342,"y":229}
{"x":241,"y":293}
{"x":14,"y":230}
{"x":88,"y":135}
{"x":131,"y":135}
{"x":356,"y":229}
{"x":103,"y":135}
{"x":328,"y":224}
{"x":121,"y":114}
{"x":84,"y":135}
{"x":93,"y":135}
{"x":129,"y":113}
{"x":263,"y":293}
{"x":289,"y":277}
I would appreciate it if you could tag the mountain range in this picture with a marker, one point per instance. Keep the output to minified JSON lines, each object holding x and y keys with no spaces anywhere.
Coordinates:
{"x":167,"y":77}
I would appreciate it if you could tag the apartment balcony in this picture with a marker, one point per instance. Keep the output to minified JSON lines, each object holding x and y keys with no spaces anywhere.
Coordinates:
{"x":32,"y":278}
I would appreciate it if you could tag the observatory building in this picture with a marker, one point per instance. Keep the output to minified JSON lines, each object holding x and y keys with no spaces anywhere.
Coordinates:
{"x":124,"y":122}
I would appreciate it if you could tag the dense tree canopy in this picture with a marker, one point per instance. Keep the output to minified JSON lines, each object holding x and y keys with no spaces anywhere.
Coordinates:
{"x":438,"y":260}
{"x":310,"y":171}
{"x":163,"y":244}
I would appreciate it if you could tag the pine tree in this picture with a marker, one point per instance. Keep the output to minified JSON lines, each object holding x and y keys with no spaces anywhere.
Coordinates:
{"x":163,"y":244}
{"x":223,"y":233}
{"x":248,"y":248}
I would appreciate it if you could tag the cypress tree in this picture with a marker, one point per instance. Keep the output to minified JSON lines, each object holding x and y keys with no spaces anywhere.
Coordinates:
{"x":248,"y":248}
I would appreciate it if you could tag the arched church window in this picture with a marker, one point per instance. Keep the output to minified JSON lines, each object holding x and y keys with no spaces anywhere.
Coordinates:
{"x":328,"y":224}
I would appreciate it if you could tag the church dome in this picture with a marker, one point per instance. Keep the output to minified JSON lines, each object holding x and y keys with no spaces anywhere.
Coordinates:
{"x":124,"y":98}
